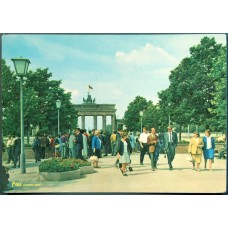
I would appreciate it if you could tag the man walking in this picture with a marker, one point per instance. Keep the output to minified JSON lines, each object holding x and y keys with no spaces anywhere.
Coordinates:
{"x":9,"y":148}
{"x":43,"y":146}
{"x":143,"y":144}
{"x":107,"y":143}
{"x":118,"y":140}
{"x":36,"y":148}
{"x":132,"y":141}
{"x":17,"y":150}
{"x":71,"y":145}
{"x":91,"y":134}
{"x":170,"y":143}
{"x":79,"y":144}
{"x":152,"y":141}
{"x":64,"y":144}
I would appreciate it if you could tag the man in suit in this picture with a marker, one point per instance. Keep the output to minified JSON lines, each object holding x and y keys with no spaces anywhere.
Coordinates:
{"x":17,"y":151}
{"x":79,"y":144}
{"x":170,"y":143}
{"x":195,"y":149}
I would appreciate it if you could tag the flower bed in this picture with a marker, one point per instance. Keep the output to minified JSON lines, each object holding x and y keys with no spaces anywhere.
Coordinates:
{"x":80,"y":162}
{"x":57,"y":169}
{"x":58,"y":165}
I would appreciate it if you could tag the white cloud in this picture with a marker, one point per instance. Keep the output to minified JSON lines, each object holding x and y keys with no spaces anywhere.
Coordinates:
{"x":147,"y":56}
{"x":74,"y":94}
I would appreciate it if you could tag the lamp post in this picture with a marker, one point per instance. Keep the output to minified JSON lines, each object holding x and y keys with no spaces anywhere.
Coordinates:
{"x":169,"y":104}
{"x":141,"y":115}
{"x":69,"y":116}
{"x":21,"y":66}
{"x":58,"y":105}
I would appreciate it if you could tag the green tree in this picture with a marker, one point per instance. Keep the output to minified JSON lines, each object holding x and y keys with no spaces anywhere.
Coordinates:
{"x":203,"y":56}
{"x":190,"y":96}
{"x":48,"y":92}
{"x":131,"y":116}
{"x":151,"y":116}
{"x":219,"y":94}
{"x":40,"y":95}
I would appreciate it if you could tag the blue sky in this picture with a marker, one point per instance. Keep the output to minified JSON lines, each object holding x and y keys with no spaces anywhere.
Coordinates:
{"x":118,"y":67}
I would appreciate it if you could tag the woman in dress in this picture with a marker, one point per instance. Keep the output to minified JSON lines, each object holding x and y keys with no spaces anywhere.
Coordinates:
{"x":123,"y":151}
{"x":208,"y":149}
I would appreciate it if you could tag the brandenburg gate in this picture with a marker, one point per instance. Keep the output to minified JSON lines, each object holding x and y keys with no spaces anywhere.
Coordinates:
{"x":90,"y":108}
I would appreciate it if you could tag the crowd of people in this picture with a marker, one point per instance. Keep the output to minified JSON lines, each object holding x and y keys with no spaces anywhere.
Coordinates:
{"x":95,"y":144}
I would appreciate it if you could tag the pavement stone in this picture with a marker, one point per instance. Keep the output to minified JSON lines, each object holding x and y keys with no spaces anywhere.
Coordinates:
{"x":108,"y":179}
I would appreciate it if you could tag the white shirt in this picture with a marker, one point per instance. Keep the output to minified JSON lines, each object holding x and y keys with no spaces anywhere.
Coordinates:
{"x":209,"y":146}
{"x":9,"y":142}
{"x":143,"y":137}
{"x":170,"y":136}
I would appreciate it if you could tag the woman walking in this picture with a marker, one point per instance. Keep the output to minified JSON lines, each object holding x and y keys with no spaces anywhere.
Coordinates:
{"x":208,"y":149}
{"x":123,"y":151}
{"x":195,"y":149}
{"x":96,"y":147}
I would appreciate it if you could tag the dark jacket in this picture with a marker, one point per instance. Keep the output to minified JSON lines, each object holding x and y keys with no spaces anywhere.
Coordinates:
{"x":174,"y":139}
{"x":120,"y":147}
{"x":79,"y":140}
{"x":17,"y":145}
{"x":36,"y":143}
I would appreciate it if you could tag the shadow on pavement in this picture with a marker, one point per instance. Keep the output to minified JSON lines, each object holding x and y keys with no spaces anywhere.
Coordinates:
{"x":141,"y":173}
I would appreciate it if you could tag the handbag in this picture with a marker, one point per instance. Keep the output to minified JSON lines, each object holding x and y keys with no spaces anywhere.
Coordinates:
{"x":189,"y":158}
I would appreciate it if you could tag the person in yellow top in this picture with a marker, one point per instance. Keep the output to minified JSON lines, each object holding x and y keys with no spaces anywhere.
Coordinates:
{"x":195,"y":149}
{"x":113,"y":143}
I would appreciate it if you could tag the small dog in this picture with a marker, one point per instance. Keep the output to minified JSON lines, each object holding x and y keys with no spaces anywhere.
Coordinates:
{"x":94,"y":160}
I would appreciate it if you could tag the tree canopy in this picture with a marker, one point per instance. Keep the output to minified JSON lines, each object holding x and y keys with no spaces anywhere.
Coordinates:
{"x":196,"y":94}
{"x":40,"y":95}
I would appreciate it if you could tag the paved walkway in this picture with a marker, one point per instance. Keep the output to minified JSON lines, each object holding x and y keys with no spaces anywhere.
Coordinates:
{"x":108,"y":179}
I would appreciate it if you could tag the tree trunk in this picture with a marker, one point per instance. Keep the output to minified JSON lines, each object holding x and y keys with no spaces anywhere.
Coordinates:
{"x":180,"y":133}
{"x":197,"y":128}
{"x":28,"y":135}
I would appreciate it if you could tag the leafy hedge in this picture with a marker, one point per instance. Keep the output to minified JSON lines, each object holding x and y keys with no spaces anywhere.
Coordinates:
{"x":80,"y":162}
{"x":62,"y":165}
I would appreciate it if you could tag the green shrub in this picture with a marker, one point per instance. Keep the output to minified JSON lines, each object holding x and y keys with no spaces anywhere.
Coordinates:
{"x":58,"y":165}
{"x":80,"y":162}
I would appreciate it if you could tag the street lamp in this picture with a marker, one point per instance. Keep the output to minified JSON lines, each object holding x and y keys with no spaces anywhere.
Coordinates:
{"x":141,"y":115}
{"x":169,"y":104}
{"x":69,"y":116}
{"x":58,"y":105}
{"x":21,"y":66}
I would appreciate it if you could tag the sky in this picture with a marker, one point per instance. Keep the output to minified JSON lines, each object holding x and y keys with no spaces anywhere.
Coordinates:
{"x":119,"y":67}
